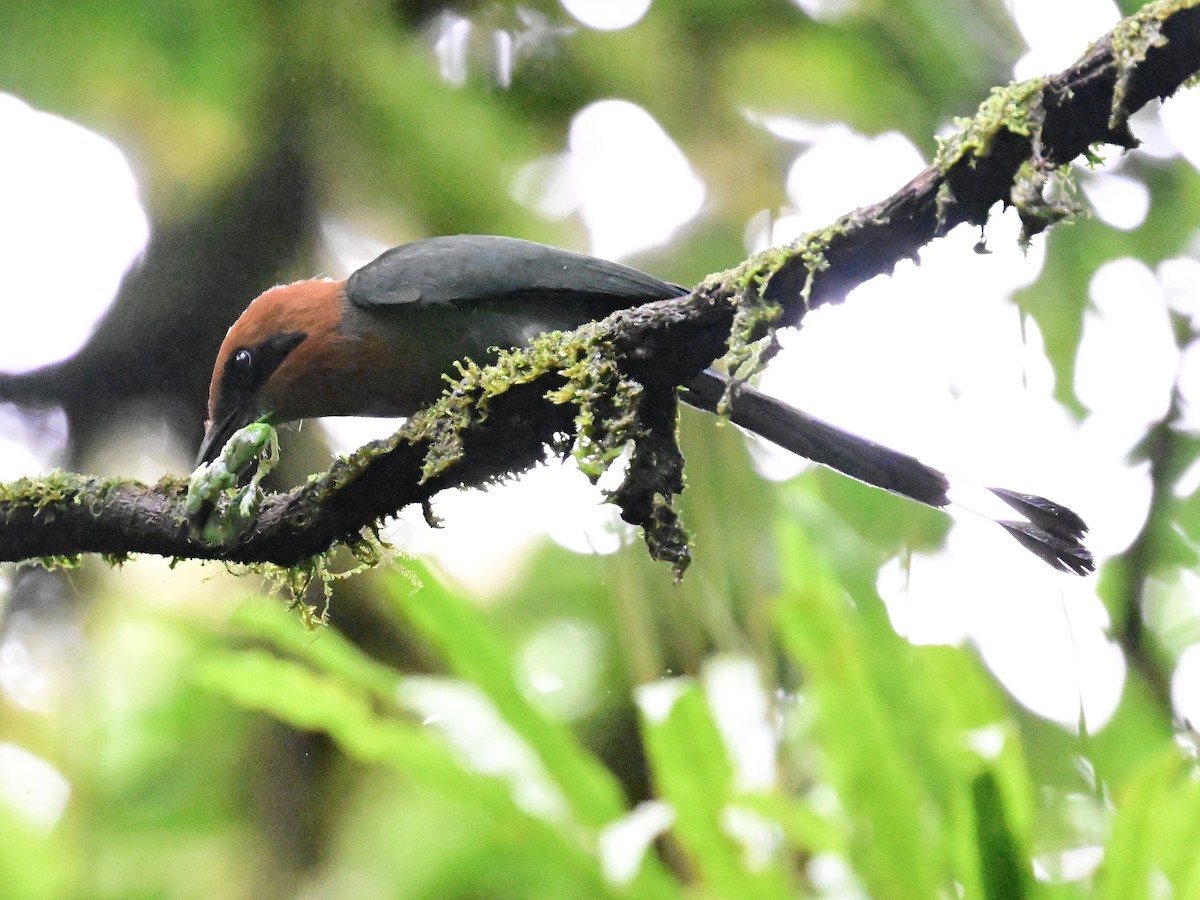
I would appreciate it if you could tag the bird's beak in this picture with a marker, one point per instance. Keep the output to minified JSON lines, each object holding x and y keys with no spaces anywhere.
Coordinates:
{"x":219,"y":431}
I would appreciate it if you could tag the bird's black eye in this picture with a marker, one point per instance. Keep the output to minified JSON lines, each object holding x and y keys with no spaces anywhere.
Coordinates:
{"x":240,"y":370}
{"x":248,"y":368}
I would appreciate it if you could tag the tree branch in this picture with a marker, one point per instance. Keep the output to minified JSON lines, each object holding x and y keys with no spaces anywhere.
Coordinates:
{"x":498,"y":422}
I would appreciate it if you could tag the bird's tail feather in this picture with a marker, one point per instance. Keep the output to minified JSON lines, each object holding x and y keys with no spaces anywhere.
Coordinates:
{"x":1051,"y":531}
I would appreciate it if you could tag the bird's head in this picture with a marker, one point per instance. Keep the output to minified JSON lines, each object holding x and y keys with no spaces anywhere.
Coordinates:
{"x":268,"y":356}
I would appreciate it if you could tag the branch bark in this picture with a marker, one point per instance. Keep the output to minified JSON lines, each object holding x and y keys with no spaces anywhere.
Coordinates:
{"x":1021,"y":134}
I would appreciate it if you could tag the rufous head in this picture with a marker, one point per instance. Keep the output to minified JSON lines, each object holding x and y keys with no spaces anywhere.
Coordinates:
{"x":267,"y":355}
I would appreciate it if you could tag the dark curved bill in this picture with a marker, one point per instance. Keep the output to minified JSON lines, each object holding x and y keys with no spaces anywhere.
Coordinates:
{"x":216,"y":436}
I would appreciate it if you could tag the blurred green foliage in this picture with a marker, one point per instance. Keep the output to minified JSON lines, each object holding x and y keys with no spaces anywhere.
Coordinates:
{"x":217,"y":749}
{"x":889,"y":769}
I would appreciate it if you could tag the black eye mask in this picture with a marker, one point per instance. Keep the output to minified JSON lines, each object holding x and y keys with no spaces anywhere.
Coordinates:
{"x":248,"y":369}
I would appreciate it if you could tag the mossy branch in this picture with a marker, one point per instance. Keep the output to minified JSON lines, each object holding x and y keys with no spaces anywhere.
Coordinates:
{"x":603,"y":386}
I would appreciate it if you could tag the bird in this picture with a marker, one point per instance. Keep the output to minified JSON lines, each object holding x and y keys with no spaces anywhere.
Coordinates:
{"x":380,"y":342}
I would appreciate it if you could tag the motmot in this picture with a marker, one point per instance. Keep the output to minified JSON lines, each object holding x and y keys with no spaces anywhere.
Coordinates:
{"x":380,"y":342}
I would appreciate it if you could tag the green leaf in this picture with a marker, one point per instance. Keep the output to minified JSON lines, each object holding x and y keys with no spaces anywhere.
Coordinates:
{"x":311,"y":701}
{"x":460,"y":635}
{"x":1004,"y":863}
{"x":893,"y":850}
{"x":324,"y":649}
{"x":693,"y":774}
{"x":1156,"y":831}
{"x":908,"y":736}
{"x":470,"y":650}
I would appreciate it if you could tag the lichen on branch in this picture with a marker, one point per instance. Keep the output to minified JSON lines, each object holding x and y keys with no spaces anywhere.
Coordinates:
{"x":610,"y":384}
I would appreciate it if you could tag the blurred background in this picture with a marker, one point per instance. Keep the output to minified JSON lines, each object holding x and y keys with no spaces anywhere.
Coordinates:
{"x":847,"y":696}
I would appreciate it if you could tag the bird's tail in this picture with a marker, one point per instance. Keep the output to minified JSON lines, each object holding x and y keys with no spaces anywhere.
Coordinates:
{"x":1052,"y":532}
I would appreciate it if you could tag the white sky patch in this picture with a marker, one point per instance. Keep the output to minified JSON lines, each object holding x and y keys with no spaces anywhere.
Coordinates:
{"x":635,"y":186}
{"x":1180,"y":117}
{"x":839,"y":171}
{"x":984,"y":587}
{"x":915,"y":359}
{"x":1074,"y":864}
{"x":72,"y":225}
{"x":345,"y":434}
{"x":925,"y":604}
{"x":1147,"y":125}
{"x":628,"y":180}
{"x":1058,"y":33}
{"x":607,"y":15}
{"x":348,"y":248}
{"x":1189,"y":386}
{"x":1043,"y":634}
{"x":1110,"y":492}
{"x":490,"y":534}
{"x":1116,"y":200}
{"x":144,"y":448}
{"x":918,"y":358}
{"x":546,"y":186}
{"x":1185,"y":686}
{"x":1054,"y":657}
{"x":1180,"y":278}
{"x":31,"y":441}
{"x":489,"y":745}
{"x":657,"y":698}
{"x":624,"y":842}
{"x":934,"y":360}
{"x":825,"y":10}
{"x":534,"y":35}
{"x":988,"y":742}
{"x":31,"y":787}
{"x":1127,"y":361}
{"x":1171,"y":608}
{"x":39,"y":658}
{"x":833,"y":877}
{"x":23,"y":680}
{"x":759,"y":837}
{"x":880,"y":166}
{"x":560,"y":668}
{"x":452,"y":36}
{"x":733,"y":687}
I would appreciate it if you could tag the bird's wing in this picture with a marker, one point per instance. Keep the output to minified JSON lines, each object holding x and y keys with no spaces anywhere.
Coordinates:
{"x":473,"y":269}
